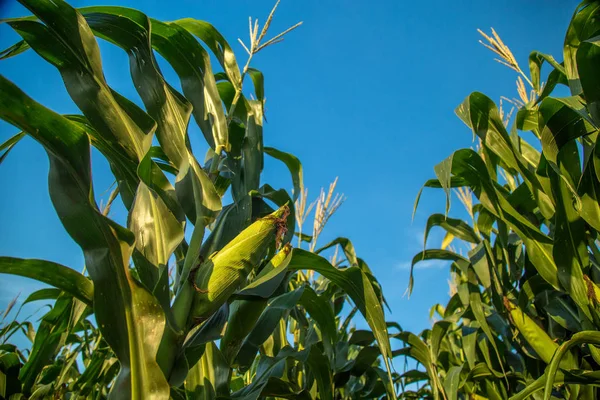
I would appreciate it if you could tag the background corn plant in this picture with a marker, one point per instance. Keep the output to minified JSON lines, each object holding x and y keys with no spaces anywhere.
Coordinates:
{"x":523,"y":318}
{"x":231,"y":312}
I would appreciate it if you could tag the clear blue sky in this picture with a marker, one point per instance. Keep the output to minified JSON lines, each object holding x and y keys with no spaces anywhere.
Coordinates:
{"x":364,"y":90}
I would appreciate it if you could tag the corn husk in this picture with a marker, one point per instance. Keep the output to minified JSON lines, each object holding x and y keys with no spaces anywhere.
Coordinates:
{"x":223,"y":273}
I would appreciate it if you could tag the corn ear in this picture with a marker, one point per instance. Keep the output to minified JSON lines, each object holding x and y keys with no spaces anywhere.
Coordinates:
{"x":537,"y":338}
{"x":217,"y":278}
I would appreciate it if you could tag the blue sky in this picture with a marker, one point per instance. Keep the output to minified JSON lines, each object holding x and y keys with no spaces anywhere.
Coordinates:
{"x":364,"y":90}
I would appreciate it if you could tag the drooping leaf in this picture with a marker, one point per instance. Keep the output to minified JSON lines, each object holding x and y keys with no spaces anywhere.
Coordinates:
{"x":567,"y":362}
{"x":192,"y":64}
{"x":347,"y":247}
{"x":127,"y":314}
{"x":43,"y":294}
{"x":59,"y":276}
{"x":456,"y":227}
{"x":294,"y":166}
{"x":434,"y":254}
{"x":217,"y":44}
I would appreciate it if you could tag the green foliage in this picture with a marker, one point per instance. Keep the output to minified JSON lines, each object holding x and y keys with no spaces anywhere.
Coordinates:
{"x":523,"y":319}
{"x":233,"y":313}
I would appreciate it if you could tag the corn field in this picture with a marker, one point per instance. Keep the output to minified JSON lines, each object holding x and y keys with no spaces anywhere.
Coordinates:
{"x":217,"y":288}
{"x":233,"y":312}
{"x":523,"y":319}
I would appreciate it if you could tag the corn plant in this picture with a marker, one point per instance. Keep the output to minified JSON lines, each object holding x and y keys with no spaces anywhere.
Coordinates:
{"x":230,"y":313}
{"x":523,"y":318}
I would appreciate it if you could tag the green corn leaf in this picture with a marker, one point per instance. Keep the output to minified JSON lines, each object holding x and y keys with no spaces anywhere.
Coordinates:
{"x":476,"y":304}
{"x":243,"y":315}
{"x":316,"y":364}
{"x":346,"y":246}
{"x":130,"y":30}
{"x":480,"y":114}
{"x":446,"y":184}
{"x":80,"y":65}
{"x":59,"y":276}
{"x":589,"y":193}
{"x":561,"y":357}
{"x":588,"y":57}
{"x":437,"y":335}
{"x":358,"y":286}
{"x":275,"y":310}
{"x":157,"y":230}
{"x":456,"y":227}
{"x":258,"y":80}
{"x":192,"y":64}
{"x":420,"y":352}
{"x":124,"y":168}
{"x":479,"y":261}
{"x":582,"y":27}
{"x":527,"y":119}
{"x":50,"y":337}
{"x":564,"y":313}
{"x":469,"y":338}
{"x":561,"y":125}
{"x":434,"y":254}
{"x":209,"y":378}
{"x":536,"y":59}
{"x":361,"y":337}
{"x":245,"y":312}
{"x":129,"y":317}
{"x":570,"y":243}
{"x":217,"y":44}
{"x":194,"y":347}
{"x":9,"y":144}
{"x":43,"y":294}
{"x":234,"y":218}
{"x":579,"y":377}
{"x":270,"y":277}
{"x":452,"y":381}
{"x":321,"y":311}
{"x":319,"y":366}
{"x":294,"y":166}
{"x":267,"y":368}
{"x":468,"y":165}
{"x":252,"y":148}
{"x":555,"y":78}
{"x":414,"y":375}
{"x":16,"y":49}
{"x":120,"y":123}
{"x":278,"y":388}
